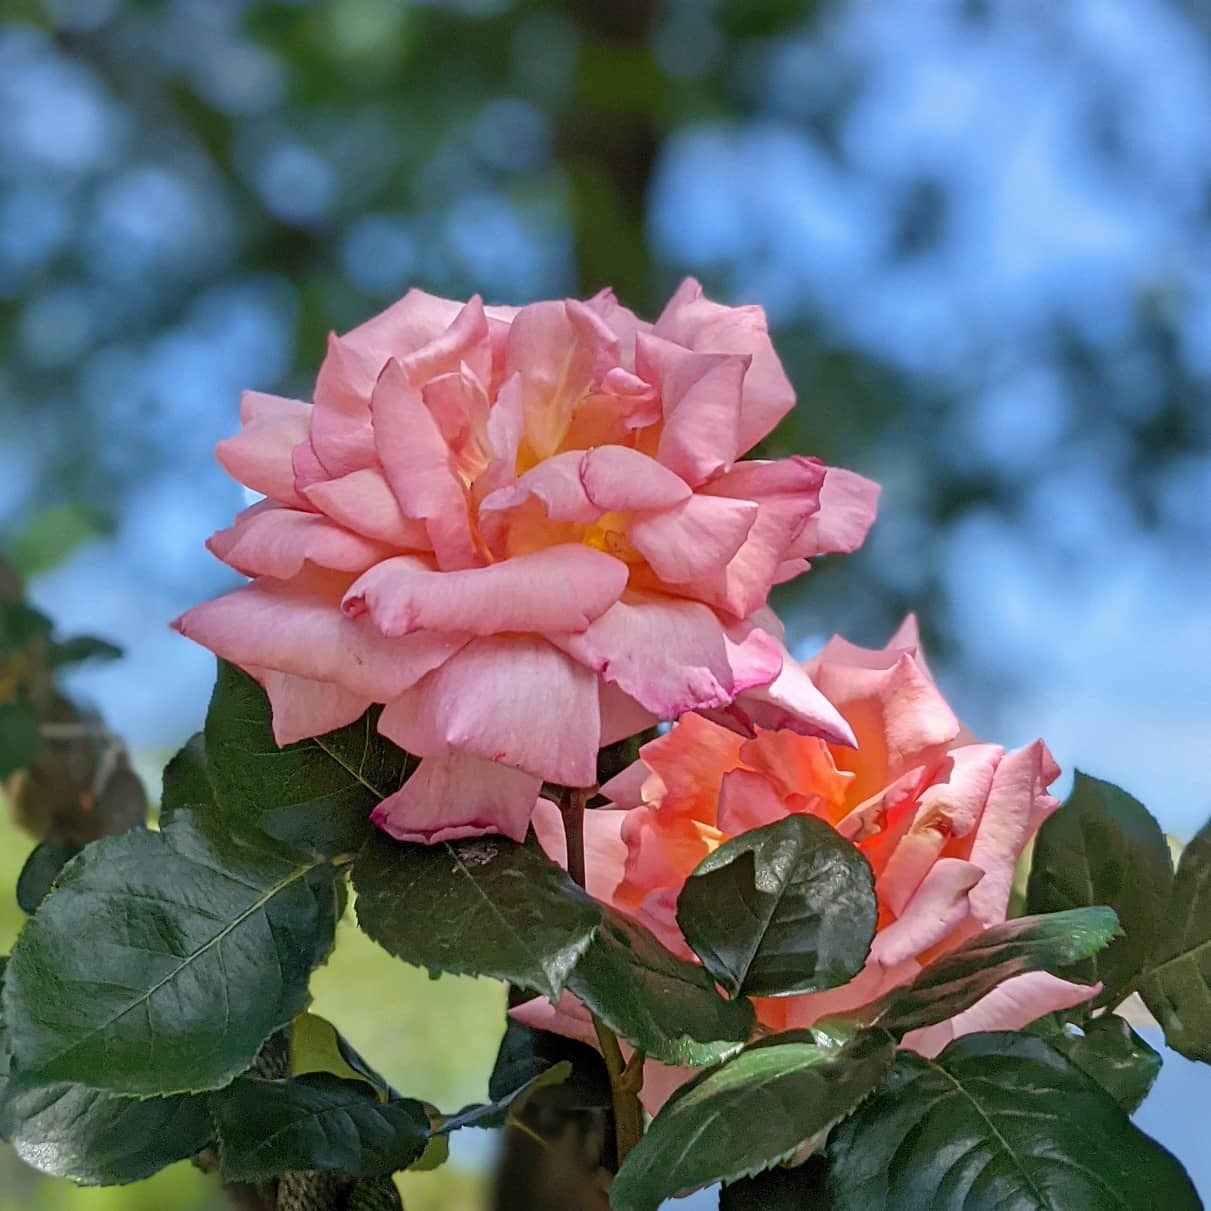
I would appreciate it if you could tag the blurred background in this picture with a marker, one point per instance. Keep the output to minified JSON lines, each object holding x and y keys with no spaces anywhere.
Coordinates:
{"x":981,"y":230}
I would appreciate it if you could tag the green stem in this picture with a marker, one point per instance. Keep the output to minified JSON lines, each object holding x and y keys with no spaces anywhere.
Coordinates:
{"x":625,"y":1079}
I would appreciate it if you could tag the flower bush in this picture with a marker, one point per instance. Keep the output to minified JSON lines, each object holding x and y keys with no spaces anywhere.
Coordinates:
{"x":844,"y":953}
{"x":527,"y":534}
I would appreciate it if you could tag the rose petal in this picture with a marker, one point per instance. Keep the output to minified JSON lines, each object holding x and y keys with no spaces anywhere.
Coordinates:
{"x":557,"y":589}
{"x":847,"y":511}
{"x":940,"y":905}
{"x":513,"y":699}
{"x":271,"y":540}
{"x":605,"y":853}
{"x":259,"y":456}
{"x":303,"y":708}
{"x":689,"y":540}
{"x":363,"y":501}
{"x":617,"y":478}
{"x":453,"y":796}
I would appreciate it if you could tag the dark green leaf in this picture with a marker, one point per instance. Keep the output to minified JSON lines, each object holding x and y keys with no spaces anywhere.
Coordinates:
{"x":800,"y":1188}
{"x":41,"y":869}
{"x":317,"y":1046}
{"x":21,"y":626}
{"x":959,"y":978}
{"x":186,"y":783}
{"x":162,"y":961}
{"x":314,"y":1122}
{"x":1177,"y":983}
{"x":1004,"y":1121}
{"x":666,"y":1006}
{"x":81,"y":648}
{"x":747,"y":1115}
{"x":1104,"y":847}
{"x":19,"y":737}
{"x":1108,"y":1050}
{"x":316,"y":795}
{"x":99,"y":1139}
{"x":787,"y":908}
{"x":495,"y":1113}
{"x":483,"y":907}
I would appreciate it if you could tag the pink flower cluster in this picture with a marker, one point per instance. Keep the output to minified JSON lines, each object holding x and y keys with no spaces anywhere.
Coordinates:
{"x":527,"y":534}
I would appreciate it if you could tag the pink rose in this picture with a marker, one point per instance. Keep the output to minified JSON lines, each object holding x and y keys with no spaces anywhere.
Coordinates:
{"x":526,"y":534}
{"x":941,"y":818}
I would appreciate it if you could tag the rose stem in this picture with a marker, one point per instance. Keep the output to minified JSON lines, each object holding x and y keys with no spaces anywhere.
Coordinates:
{"x":625,"y":1079}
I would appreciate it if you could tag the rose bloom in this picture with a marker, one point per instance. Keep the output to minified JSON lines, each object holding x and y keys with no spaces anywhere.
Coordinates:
{"x":941,"y":818}
{"x":526,"y":533}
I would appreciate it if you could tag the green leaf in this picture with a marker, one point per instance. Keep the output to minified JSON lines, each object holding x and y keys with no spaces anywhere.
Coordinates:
{"x":162,"y":961}
{"x":1177,"y":983}
{"x":1104,"y":847}
{"x":97,"y":1138}
{"x":787,"y":908}
{"x":80,"y":648}
{"x":92,"y":1137}
{"x":21,"y":626}
{"x":41,"y":869}
{"x":317,"y":1046}
{"x":316,"y":795}
{"x":1108,"y":1050}
{"x":795,"y":1189}
{"x":667,"y":1007}
{"x":497,"y":1113}
{"x":999,"y":1120}
{"x":956,"y":980}
{"x":485,"y":907}
{"x":747,"y":1115}
{"x":314,"y":1122}
{"x":19,"y":737}
{"x":186,"y":783}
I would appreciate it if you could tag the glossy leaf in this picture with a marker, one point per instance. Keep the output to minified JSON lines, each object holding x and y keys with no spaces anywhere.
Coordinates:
{"x":316,"y":795}
{"x":1108,"y":1050}
{"x":747,"y":1115}
{"x":782,"y":1189}
{"x":959,"y":978}
{"x":163,"y":960}
{"x":1104,"y":847}
{"x":98,"y":1138}
{"x":317,"y":1046}
{"x":666,"y":1006}
{"x":787,"y":908}
{"x":496,"y":1113}
{"x":1004,"y":1121}
{"x":314,"y":1122}
{"x":19,"y":737}
{"x":80,"y":648}
{"x":1177,"y":983}
{"x":485,"y":907}
{"x":41,"y":869}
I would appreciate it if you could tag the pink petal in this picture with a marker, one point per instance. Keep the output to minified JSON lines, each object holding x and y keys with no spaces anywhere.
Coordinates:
{"x":514,"y":699}
{"x":621,"y":715}
{"x":847,"y":511}
{"x":1017,"y":804}
{"x":557,"y":348}
{"x":696,"y":537}
{"x":347,"y":375}
{"x":460,"y":406}
{"x":466,"y":340}
{"x":693,"y":320}
{"x":419,"y":468}
{"x":940,"y":905}
{"x":789,"y":700}
{"x":297,"y":627}
{"x":787,"y":494}
{"x":619,"y":478}
{"x":625,"y":790}
{"x":556,"y":482}
{"x":748,"y":800}
{"x":1012,"y":1005}
{"x":342,"y":443}
{"x":308,"y":469}
{"x":560,"y":588}
{"x":669,"y":655}
{"x":622,"y":321}
{"x":453,"y":796}
{"x":567,"y":1017}
{"x":303,"y":708}
{"x":605,"y":854}
{"x":363,"y":501}
{"x":259,"y":456}
{"x":405,"y":327}
{"x":950,"y":807}
{"x":277,"y":541}
{"x":701,"y":398}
